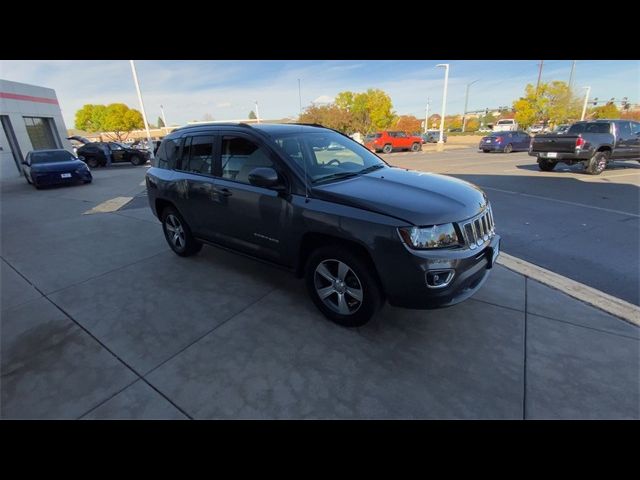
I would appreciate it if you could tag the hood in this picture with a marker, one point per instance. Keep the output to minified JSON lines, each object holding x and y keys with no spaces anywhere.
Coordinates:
{"x":70,"y":166}
{"x":418,"y":198}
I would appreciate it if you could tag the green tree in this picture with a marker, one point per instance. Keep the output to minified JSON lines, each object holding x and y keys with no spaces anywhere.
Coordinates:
{"x":452,"y":121}
{"x":121,"y":120}
{"x":90,"y":118}
{"x":606,"y":111}
{"x":553,"y":102}
{"x":472,"y":124}
{"x":252,"y":115}
{"x":371,"y":110}
{"x":161,"y":122}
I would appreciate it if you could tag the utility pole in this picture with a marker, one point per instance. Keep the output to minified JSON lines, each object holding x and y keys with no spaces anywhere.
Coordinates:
{"x":426,"y":117}
{"x":539,"y":77}
{"x":300,"y":96}
{"x":440,"y":145}
{"x":257,"y":113}
{"x":466,"y":100}
{"x":573,"y":68}
{"x":144,"y":115}
{"x":586,"y":99}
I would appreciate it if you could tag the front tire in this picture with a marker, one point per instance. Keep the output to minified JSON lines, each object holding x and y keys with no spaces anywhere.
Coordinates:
{"x":597,"y":164}
{"x":137,"y":161}
{"x":92,"y":162}
{"x":508,"y":148}
{"x":416,"y":147}
{"x":343,"y":285}
{"x":387,"y":148}
{"x":546,"y":165}
{"x":178,"y":234}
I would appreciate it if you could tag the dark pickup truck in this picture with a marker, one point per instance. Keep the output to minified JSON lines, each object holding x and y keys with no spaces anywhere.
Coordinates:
{"x":593,"y":143}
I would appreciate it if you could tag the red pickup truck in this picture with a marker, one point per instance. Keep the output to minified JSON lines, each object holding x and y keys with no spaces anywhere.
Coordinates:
{"x":387,"y":141}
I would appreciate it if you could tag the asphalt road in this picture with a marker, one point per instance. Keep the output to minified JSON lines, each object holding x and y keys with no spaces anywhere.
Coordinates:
{"x":584,"y":227}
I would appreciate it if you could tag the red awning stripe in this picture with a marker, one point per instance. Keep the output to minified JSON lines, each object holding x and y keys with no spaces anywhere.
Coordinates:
{"x":28,"y":98}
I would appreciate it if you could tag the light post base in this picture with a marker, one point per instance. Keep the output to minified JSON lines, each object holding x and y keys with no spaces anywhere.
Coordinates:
{"x":440,"y":146}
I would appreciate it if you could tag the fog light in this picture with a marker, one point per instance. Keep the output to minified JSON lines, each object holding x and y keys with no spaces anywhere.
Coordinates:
{"x":439,"y":278}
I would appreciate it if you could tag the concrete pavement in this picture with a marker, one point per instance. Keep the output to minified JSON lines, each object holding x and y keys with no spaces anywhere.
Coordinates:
{"x":100,"y":320}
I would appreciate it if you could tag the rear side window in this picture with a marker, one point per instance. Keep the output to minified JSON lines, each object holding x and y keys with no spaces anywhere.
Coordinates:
{"x":599,"y":127}
{"x":197,"y":156}
{"x":635,"y":128}
{"x":624,"y":129}
{"x":167,"y":154}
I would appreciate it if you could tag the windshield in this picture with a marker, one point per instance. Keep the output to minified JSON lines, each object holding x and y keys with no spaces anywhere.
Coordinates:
{"x":117,"y":145}
{"x":328,"y":155}
{"x":51,"y":157}
{"x":505,"y":122}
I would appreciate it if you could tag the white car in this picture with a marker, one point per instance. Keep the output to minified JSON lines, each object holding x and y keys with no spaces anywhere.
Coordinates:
{"x":536,"y":128}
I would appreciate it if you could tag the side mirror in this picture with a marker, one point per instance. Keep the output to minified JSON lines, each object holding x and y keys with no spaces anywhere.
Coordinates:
{"x":81,"y":158}
{"x":265,"y":177}
{"x":24,"y":162}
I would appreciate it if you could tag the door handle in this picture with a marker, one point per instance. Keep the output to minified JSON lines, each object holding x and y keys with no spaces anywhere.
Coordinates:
{"x":224,"y":191}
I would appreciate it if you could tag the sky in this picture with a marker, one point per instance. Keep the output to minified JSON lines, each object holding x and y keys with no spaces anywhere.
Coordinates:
{"x":228,"y":90}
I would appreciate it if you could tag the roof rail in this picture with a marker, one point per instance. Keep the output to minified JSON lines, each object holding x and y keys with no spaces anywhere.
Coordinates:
{"x":209,"y":124}
{"x":308,"y":125}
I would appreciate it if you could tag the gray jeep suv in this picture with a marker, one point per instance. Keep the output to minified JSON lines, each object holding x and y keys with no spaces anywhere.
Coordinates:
{"x":314,"y":201}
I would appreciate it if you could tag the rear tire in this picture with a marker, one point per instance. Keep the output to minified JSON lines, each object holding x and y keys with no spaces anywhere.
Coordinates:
{"x":387,"y":148}
{"x":546,"y":165}
{"x":178,"y":234}
{"x":597,"y":164}
{"x":137,"y":161}
{"x":485,"y":151}
{"x":352,"y":293}
{"x":416,"y":147}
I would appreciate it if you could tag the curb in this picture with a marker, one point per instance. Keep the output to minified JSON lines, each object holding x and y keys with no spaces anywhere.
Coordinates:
{"x":603,"y":301}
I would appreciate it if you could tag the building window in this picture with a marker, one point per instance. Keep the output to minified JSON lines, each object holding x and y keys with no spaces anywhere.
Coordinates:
{"x":41,"y":133}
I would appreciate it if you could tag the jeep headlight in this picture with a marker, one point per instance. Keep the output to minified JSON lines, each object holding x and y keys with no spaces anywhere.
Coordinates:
{"x":436,"y":236}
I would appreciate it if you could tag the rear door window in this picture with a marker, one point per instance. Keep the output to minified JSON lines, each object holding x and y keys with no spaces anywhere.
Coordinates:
{"x":198,"y":158}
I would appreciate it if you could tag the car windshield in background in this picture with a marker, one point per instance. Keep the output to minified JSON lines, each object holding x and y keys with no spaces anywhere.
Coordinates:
{"x":600,"y":127}
{"x":328,"y":155}
{"x":51,"y":157}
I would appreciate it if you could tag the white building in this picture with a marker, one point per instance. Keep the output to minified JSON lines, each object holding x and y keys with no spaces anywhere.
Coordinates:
{"x":31,"y":120}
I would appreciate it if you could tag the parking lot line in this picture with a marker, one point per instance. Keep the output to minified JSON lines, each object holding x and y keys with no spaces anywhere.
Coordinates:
{"x":608,"y":303}
{"x":111,"y":205}
{"x":575,"y":204}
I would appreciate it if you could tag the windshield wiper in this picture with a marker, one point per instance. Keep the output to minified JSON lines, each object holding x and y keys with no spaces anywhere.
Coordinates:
{"x":335,"y":176}
{"x":371,"y":168}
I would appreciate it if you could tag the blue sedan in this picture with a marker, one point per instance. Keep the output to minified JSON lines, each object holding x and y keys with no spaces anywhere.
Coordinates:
{"x":51,"y":167}
{"x":506,"y":142}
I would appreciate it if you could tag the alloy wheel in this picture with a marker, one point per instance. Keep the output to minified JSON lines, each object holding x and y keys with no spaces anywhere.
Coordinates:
{"x":338,"y":286}
{"x":175,"y":231}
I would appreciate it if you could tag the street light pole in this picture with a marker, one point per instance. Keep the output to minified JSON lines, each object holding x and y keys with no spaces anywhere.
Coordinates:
{"x":300,"y":96}
{"x":144,"y":115}
{"x":426,"y":117}
{"x":466,"y":100}
{"x":257,"y":113}
{"x":586,"y":99}
{"x":440,"y":145}
{"x":164,"y":120}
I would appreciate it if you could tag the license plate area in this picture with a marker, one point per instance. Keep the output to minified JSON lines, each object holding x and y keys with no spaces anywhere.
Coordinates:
{"x":65,"y":175}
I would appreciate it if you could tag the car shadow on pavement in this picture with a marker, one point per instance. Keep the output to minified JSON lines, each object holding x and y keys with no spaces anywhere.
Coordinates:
{"x":579,"y":168}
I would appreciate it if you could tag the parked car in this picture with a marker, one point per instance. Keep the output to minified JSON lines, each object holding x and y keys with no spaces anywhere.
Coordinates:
{"x":432,"y":136}
{"x":455,"y":130}
{"x":359,"y":231}
{"x":505,"y":125}
{"x":539,"y":128}
{"x":94,"y":156}
{"x":592,"y":143}
{"x":506,"y":142}
{"x":388,"y":141}
{"x":53,"y":167}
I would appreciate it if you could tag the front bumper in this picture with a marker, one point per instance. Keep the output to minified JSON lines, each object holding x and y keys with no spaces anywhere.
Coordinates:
{"x":55,"y":178}
{"x":405,"y":280}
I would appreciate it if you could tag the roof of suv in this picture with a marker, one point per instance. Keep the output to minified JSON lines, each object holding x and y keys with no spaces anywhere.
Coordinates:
{"x":268,"y":128}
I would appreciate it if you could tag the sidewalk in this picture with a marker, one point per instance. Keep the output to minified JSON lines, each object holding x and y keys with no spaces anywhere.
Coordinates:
{"x":100,"y":333}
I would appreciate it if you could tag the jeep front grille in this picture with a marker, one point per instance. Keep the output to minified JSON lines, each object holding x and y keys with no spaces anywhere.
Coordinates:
{"x":479,"y":229}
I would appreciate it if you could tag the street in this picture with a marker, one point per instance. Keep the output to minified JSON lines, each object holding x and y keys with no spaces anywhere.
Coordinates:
{"x":584,"y":227}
